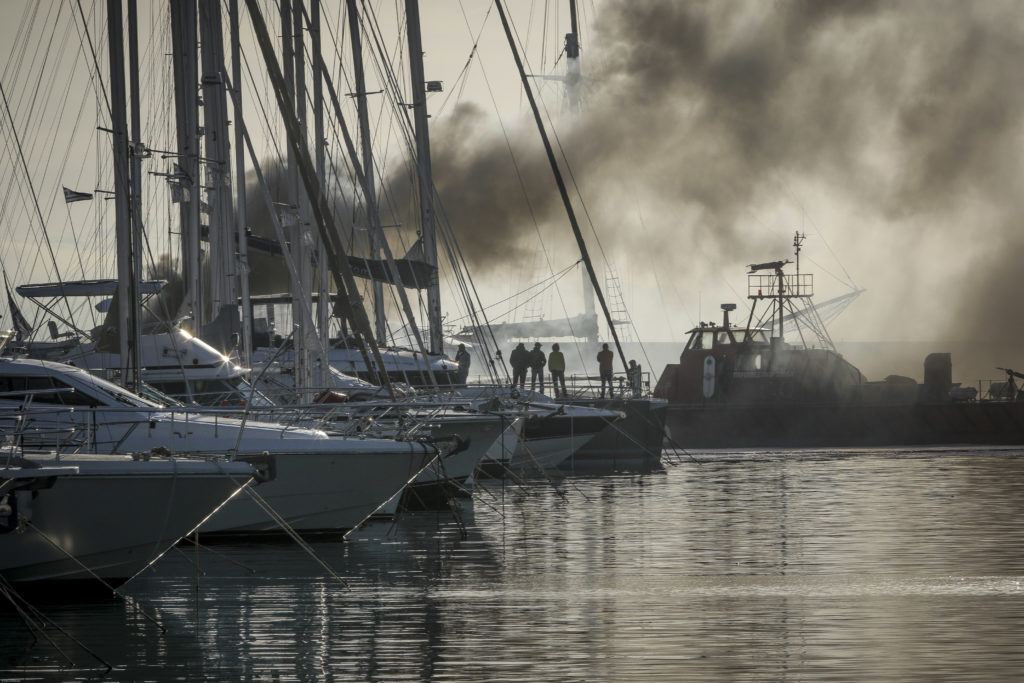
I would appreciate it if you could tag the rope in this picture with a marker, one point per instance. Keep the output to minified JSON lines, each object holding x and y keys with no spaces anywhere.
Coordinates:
{"x":115,"y":591}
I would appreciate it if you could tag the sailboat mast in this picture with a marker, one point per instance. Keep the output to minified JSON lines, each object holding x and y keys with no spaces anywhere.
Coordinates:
{"x":136,"y":149}
{"x":217,"y":155}
{"x":323,"y":309}
{"x":380,"y":323}
{"x":128,"y":350}
{"x":240,"y":209}
{"x":374,"y":215}
{"x":185,"y":44}
{"x":349,"y":301}
{"x":572,"y":97}
{"x":424,"y":173}
{"x":584,"y":253}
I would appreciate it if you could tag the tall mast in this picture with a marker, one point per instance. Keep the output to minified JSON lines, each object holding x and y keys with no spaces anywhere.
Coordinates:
{"x":572,"y":61}
{"x":223,"y":264}
{"x":240,"y":212}
{"x":291,"y":28}
{"x":128,"y":350}
{"x":584,"y":253}
{"x":572,"y":96}
{"x":186,"y":79}
{"x":137,"y":150}
{"x":380,"y":323}
{"x":323,"y":308}
{"x":374,"y":213}
{"x":349,"y":303}
{"x":426,"y":182}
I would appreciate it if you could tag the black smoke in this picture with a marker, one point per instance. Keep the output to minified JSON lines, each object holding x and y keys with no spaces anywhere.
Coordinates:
{"x":895,"y":126}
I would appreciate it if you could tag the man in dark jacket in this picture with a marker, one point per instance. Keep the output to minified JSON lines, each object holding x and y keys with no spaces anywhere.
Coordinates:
{"x":605,"y":360}
{"x":463,"y":359}
{"x":519,"y":359}
{"x":537,"y":362}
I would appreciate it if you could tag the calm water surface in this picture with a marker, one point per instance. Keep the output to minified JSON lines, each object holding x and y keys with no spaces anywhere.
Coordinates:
{"x":742,"y":566}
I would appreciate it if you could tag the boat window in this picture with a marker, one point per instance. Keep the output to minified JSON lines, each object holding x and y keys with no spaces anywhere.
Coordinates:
{"x":702,"y":339}
{"x":757,"y":336}
{"x":722,"y":338}
{"x":41,"y":389}
{"x":150,"y":392}
{"x":216,"y":392}
{"x":173,"y":389}
{"x":749,"y":362}
{"x":118,"y":393}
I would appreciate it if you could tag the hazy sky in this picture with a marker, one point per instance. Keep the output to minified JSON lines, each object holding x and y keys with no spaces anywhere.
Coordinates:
{"x":889,"y":133}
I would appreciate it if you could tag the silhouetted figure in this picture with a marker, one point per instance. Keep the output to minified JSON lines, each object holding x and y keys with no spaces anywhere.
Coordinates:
{"x":537,"y":362}
{"x":635,"y":378}
{"x":463,"y":359}
{"x":605,"y":359}
{"x":556,"y":365}
{"x":519,"y":359}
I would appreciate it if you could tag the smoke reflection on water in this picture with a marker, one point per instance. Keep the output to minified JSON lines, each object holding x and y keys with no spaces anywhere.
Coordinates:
{"x":893,"y":565}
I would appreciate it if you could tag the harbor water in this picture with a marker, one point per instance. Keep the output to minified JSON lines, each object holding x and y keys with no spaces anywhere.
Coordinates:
{"x":839,"y":565}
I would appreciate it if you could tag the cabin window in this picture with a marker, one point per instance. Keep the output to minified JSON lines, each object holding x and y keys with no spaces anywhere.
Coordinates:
{"x":756,"y":336}
{"x":50,"y":391}
{"x":750,"y":362}
{"x":722,"y":338}
{"x":704,"y":339}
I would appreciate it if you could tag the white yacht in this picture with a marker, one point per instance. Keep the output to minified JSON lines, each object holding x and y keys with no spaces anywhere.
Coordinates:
{"x":321,"y":483}
{"x":81,"y":516}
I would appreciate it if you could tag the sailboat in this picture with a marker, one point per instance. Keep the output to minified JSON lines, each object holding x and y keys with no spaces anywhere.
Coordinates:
{"x":86,"y":516}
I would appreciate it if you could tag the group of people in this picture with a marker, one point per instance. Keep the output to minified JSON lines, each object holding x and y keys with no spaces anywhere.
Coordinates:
{"x":536,"y":360}
{"x":521,"y":359}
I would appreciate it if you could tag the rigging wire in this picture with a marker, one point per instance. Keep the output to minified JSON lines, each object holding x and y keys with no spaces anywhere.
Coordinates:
{"x":28,"y":180}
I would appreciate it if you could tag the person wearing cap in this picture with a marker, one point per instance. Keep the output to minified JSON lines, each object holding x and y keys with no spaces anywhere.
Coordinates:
{"x":537,"y":362}
{"x":463,"y":359}
{"x":556,"y":366}
{"x":605,"y":360}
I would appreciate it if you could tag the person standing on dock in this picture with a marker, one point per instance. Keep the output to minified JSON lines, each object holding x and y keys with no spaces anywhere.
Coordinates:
{"x":519,"y":359}
{"x":635,"y":379}
{"x":463,"y":359}
{"x":605,"y":360}
{"x":556,"y":365}
{"x":537,"y":362}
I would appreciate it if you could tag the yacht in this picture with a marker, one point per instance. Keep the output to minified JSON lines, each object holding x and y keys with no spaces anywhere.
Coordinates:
{"x":88,"y":516}
{"x":322,"y":482}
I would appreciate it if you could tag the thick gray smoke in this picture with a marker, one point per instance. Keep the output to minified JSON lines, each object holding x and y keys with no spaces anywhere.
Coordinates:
{"x":268,"y":271}
{"x":893,"y":127}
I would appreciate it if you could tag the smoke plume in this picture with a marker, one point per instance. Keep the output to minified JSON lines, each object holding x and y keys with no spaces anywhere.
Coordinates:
{"x":712,"y":130}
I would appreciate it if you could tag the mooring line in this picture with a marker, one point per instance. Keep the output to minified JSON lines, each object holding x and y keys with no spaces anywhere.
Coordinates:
{"x":124,"y":596}
{"x":259,"y":500}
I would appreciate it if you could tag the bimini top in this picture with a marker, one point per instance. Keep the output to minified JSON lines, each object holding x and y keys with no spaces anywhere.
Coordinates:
{"x":84,"y":288}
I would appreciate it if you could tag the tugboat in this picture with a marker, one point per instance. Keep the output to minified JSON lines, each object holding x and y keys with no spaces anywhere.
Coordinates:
{"x":747,"y":386}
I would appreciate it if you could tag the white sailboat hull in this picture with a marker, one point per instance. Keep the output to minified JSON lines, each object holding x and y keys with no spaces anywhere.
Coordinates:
{"x":113,"y":517}
{"x":325,"y":491}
